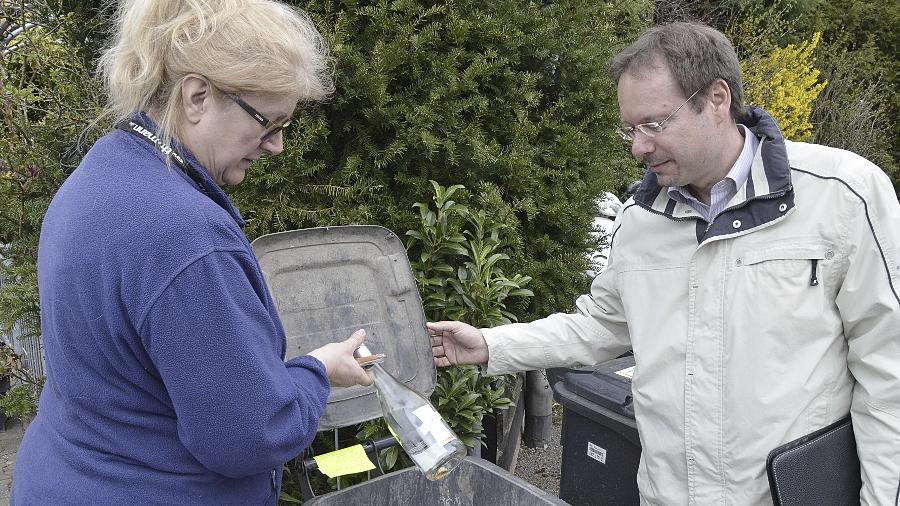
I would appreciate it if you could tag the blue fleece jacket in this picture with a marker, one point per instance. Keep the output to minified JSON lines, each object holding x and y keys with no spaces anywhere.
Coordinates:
{"x":165,"y":355}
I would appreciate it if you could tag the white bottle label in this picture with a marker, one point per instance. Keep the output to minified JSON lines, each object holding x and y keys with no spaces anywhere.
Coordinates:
{"x":433,"y":424}
{"x":428,"y":456}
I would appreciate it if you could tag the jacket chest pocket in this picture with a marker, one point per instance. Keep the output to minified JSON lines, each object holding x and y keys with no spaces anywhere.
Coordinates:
{"x":784,"y":266}
{"x":783,"y":295}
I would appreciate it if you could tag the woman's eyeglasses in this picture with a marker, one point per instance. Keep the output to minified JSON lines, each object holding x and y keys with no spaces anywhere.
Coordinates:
{"x":271,"y":127}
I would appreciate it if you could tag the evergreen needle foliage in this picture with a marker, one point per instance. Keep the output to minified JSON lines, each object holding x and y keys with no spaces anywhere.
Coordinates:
{"x":508,"y":98}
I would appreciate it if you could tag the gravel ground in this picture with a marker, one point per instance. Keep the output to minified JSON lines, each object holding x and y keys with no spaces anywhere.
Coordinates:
{"x":9,"y":445}
{"x":541,"y":467}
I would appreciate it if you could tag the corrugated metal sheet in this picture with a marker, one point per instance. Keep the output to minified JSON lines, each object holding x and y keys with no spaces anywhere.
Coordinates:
{"x":30,"y":349}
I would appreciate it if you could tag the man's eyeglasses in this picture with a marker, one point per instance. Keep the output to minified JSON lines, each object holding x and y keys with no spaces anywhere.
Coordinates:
{"x":653,"y":128}
{"x":271,"y":127}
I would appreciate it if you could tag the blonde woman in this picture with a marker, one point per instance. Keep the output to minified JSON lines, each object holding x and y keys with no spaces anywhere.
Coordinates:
{"x":166,"y":380}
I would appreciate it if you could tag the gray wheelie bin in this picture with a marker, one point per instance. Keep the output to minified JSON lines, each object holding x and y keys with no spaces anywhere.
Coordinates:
{"x":329,"y":282}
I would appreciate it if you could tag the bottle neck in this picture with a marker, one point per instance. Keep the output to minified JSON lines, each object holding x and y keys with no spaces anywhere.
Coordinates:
{"x":387,"y":385}
{"x":381,"y":377}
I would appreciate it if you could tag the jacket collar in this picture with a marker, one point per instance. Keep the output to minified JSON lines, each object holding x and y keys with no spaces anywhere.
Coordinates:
{"x":205,"y":183}
{"x":758,"y":202}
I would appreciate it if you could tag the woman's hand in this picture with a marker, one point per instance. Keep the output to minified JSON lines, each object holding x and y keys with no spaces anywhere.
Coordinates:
{"x":342,"y":368}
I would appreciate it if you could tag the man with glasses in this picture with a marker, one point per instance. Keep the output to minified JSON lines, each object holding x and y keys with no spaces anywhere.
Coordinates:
{"x":756,"y":280}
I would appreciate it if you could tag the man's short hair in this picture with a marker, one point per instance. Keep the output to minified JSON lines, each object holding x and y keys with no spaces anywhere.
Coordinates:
{"x":695,"y":53}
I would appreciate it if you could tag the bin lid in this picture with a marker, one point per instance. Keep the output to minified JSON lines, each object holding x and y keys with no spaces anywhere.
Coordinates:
{"x":607,"y":384}
{"x":329,"y":282}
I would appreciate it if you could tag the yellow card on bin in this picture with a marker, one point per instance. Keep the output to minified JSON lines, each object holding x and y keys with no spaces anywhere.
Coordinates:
{"x":344,"y":461}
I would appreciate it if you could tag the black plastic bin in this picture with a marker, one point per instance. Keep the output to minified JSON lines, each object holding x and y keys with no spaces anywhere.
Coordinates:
{"x":601,"y":448}
{"x":475,"y":482}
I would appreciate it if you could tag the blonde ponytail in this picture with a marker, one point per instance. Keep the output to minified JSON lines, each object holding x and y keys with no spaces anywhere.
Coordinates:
{"x":240,"y":45}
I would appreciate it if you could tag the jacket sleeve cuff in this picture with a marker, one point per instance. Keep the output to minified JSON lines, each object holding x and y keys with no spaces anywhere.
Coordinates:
{"x":313,"y":365}
{"x":498,"y":360}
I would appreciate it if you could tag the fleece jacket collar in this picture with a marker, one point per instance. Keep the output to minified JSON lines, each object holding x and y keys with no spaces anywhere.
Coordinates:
{"x":210,"y":188}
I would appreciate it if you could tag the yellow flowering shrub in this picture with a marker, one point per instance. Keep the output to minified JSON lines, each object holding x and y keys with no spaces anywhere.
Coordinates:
{"x":785,"y":82}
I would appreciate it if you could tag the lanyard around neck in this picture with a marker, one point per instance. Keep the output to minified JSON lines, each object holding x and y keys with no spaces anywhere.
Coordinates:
{"x":149,"y":136}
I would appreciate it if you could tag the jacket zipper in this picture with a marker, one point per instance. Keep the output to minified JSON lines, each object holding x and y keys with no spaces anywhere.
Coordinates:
{"x":813,"y":279}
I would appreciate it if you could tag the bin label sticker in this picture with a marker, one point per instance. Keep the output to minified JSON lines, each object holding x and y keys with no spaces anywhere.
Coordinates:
{"x":596,"y":453}
{"x":628,"y":372}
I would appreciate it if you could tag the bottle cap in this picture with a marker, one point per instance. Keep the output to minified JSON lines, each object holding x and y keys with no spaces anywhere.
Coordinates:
{"x":365,"y":358}
{"x":362,"y":351}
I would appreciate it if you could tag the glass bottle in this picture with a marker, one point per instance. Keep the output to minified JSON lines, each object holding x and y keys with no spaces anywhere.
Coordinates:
{"x":415,"y":423}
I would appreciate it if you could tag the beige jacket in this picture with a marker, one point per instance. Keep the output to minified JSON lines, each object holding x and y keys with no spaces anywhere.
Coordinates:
{"x":776,"y":320}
